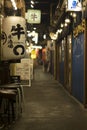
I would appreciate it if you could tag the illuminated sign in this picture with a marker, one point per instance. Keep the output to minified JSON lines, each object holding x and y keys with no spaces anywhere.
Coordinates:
{"x":34,"y":16}
{"x":13,"y":38}
{"x":74,"y":5}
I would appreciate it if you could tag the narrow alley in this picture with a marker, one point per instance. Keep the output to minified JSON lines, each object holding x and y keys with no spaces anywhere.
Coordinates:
{"x":48,"y":106}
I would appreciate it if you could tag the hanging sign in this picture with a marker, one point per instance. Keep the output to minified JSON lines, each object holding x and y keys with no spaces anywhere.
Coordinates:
{"x":13,"y":38}
{"x":34,"y":16}
{"x":74,"y":5}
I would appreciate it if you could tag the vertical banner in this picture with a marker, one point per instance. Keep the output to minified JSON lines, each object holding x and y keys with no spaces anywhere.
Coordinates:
{"x":13,"y":38}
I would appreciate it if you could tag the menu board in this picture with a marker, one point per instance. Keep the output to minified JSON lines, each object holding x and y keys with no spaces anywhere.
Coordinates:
{"x":25,"y":69}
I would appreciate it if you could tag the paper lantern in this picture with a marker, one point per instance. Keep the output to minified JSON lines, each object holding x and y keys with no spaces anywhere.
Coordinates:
{"x":13,"y":38}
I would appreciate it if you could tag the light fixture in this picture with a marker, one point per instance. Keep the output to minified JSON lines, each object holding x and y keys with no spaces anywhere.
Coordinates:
{"x":73,"y":14}
{"x":53,"y":36}
{"x":14,"y":4}
{"x":34,"y":28}
{"x":32,"y":2}
{"x":59,"y":30}
{"x":67,"y":20}
{"x":65,"y":24}
{"x":32,"y":6}
{"x":44,"y":36}
{"x":62,"y":25}
{"x":37,"y":47}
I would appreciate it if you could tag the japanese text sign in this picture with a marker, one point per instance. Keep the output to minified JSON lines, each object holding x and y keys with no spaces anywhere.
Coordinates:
{"x":13,"y":38}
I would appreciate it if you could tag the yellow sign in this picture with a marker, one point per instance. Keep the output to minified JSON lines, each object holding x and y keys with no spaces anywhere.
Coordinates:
{"x":33,"y":54}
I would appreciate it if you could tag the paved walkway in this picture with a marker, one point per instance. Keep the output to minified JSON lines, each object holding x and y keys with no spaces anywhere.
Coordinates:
{"x":49,"y":107}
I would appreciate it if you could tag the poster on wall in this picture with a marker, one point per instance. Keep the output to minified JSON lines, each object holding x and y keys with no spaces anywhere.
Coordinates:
{"x":13,"y":38}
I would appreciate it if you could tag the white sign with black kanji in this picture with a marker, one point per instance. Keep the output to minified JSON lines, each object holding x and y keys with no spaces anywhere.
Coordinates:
{"x":34,"y":16}
{"x":13,"y":38}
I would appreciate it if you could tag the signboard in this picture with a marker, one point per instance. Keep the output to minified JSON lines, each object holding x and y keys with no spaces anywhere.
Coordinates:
{"x":13,"y":38}
{"x":23,"y":69}
{"x":34,"y":16}
{"x":74,"y":5}
{"x":25,"y":63}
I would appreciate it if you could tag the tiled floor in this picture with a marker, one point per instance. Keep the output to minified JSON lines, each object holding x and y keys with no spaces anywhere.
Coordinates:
{"x":49,"y":107}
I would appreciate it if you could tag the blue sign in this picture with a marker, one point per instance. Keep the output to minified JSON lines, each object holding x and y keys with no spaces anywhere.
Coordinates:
{"x":74,"y":5}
